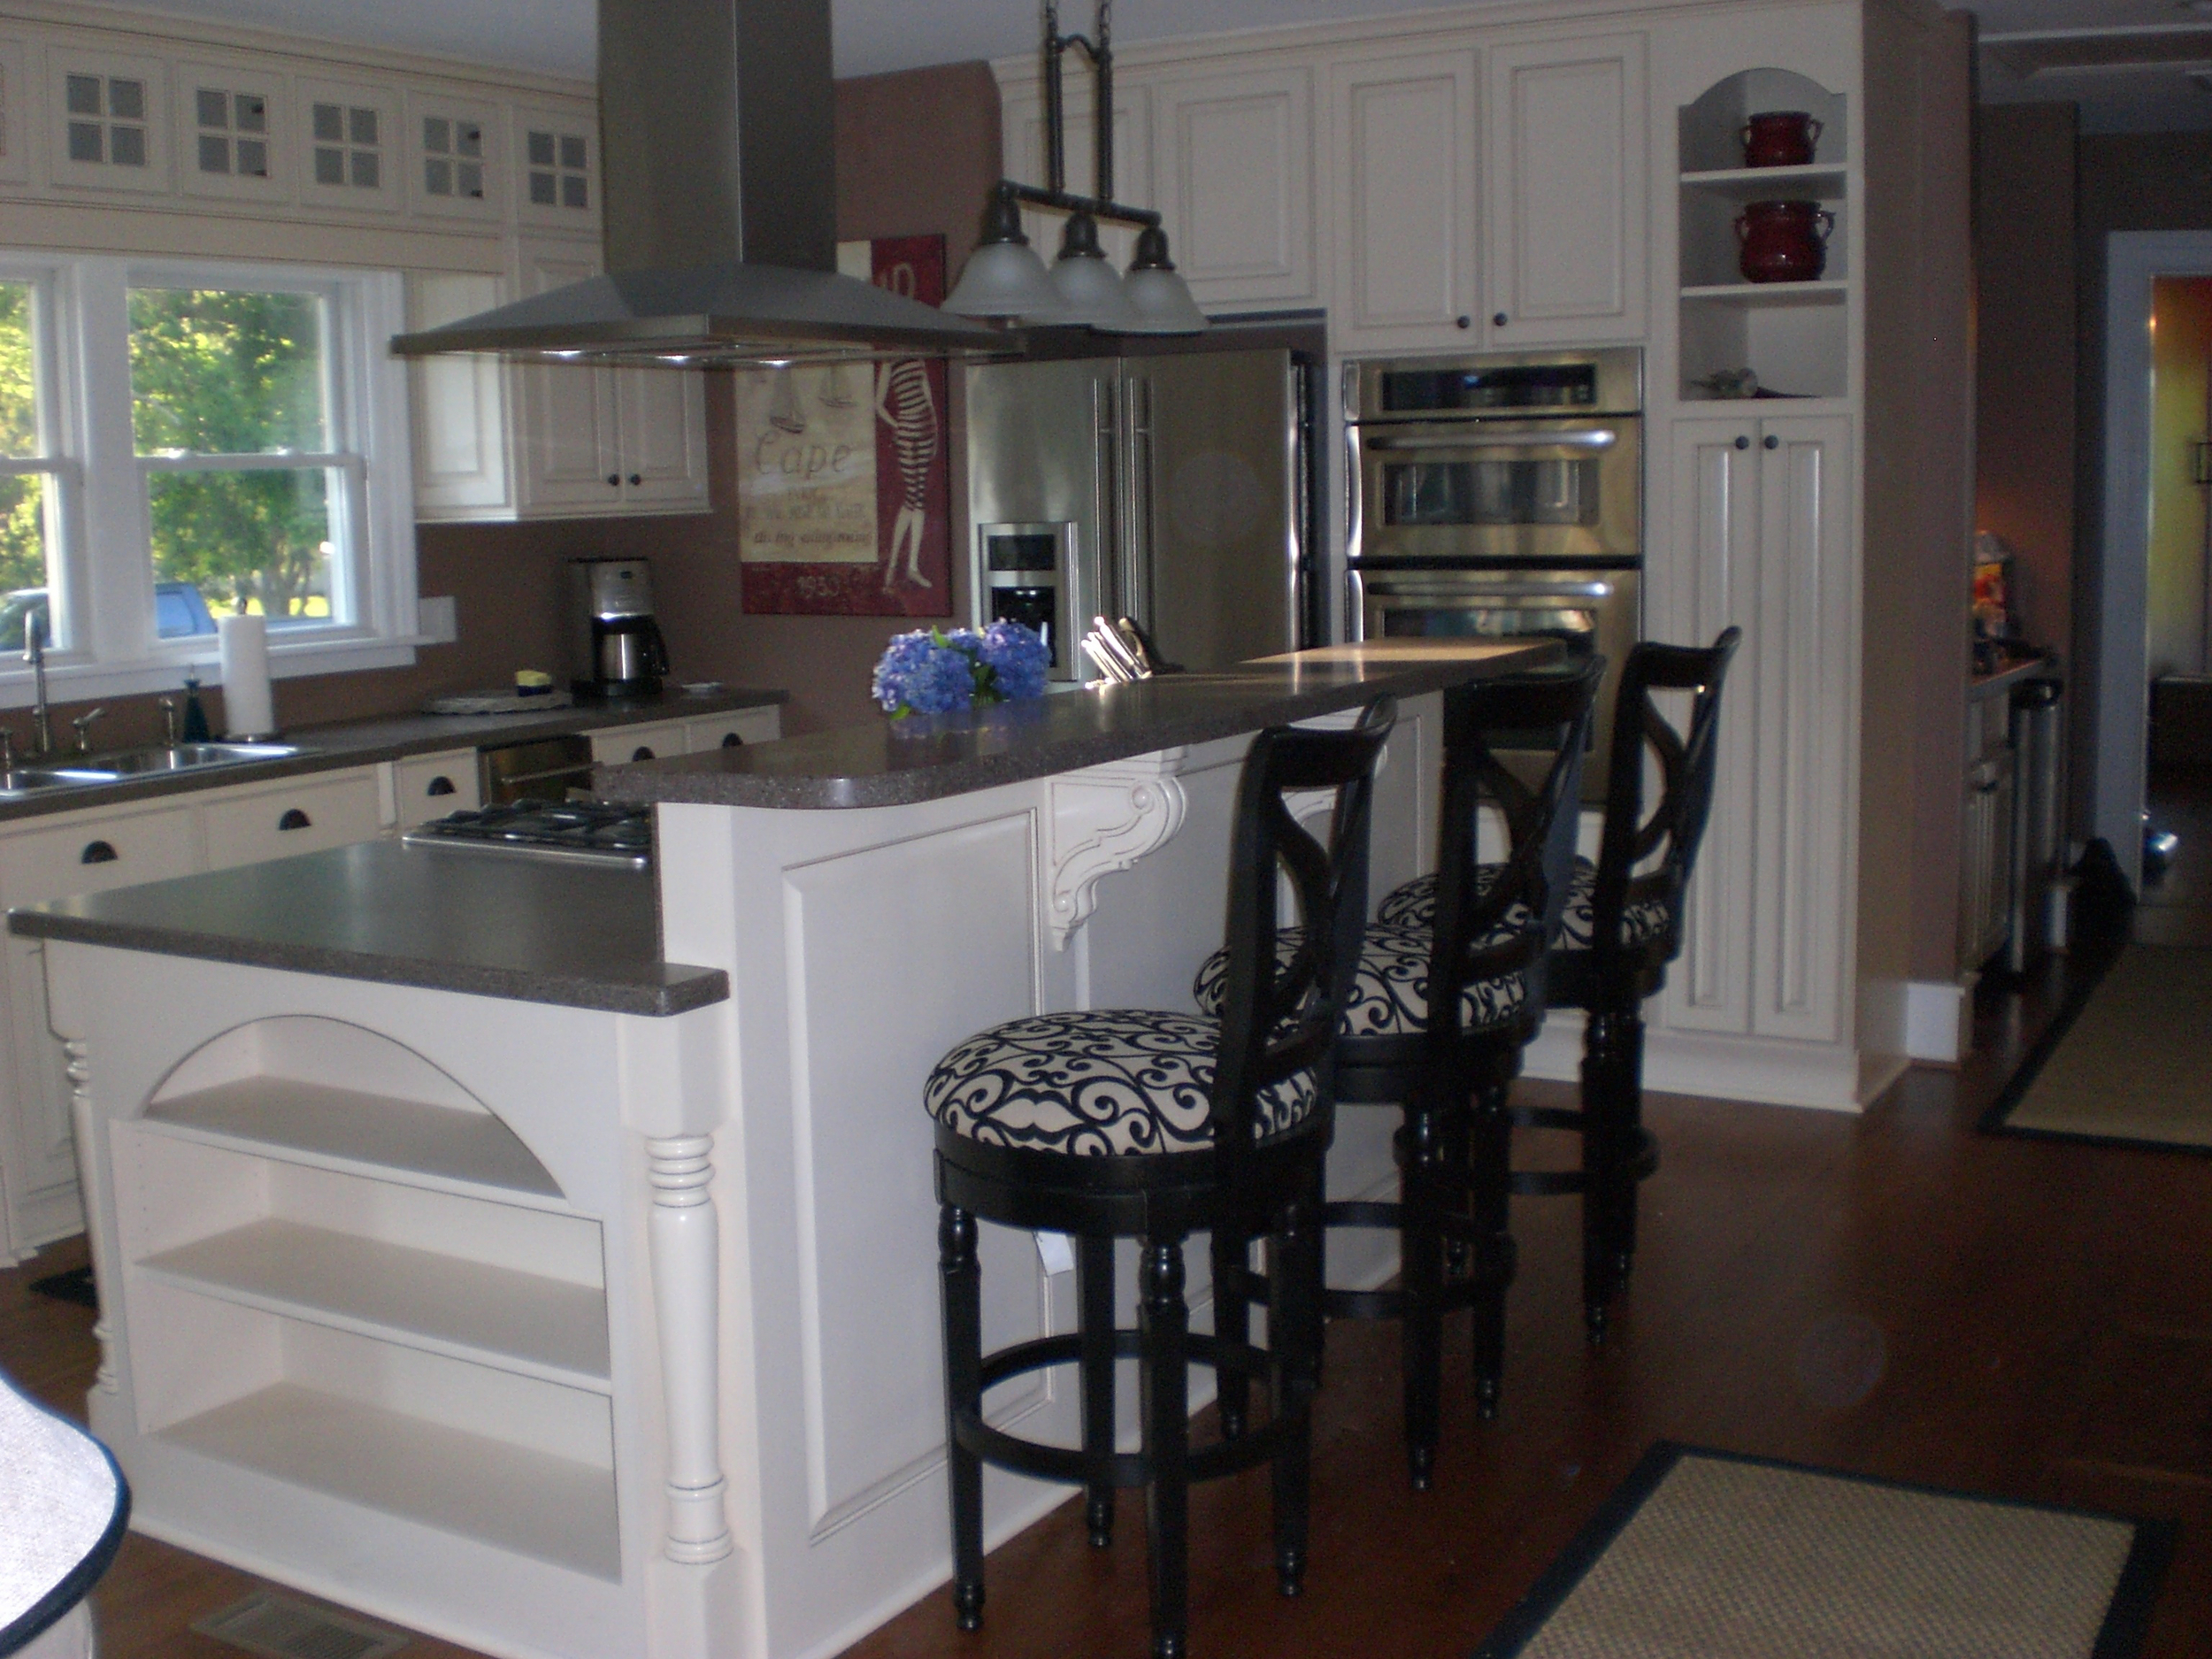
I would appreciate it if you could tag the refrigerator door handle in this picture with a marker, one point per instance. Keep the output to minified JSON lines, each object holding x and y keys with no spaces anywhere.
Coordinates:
{"x":1136,"y":539}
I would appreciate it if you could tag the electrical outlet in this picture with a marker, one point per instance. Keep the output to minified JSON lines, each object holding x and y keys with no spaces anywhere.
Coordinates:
{"x":438,"y":619}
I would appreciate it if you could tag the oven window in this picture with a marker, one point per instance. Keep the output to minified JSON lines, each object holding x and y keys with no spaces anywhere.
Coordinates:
{"x":1501,"y":491}
{"x":1548,"y":386}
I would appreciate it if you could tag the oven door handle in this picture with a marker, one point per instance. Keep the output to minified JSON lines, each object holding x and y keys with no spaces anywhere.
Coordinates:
{"x":1473,"y":595}
{"x":1600,"y":439}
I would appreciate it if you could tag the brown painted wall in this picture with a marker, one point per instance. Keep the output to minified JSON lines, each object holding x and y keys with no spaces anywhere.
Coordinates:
{"x":917,"y":152}
{"x":2023,"y":233}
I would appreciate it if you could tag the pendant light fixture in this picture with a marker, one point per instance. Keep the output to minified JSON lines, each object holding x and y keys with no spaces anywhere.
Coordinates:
{"x":1005,"y":280}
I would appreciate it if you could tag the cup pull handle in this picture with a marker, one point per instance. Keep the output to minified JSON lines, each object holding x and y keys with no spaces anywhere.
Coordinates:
{"x":440,"y":785}
{"x":294,"y":819}
{"x":731,"y":740}
{"x":642,"y":753}
{"x":97,"y":853}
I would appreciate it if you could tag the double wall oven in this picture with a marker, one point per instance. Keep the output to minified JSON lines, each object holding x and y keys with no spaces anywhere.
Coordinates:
{"x":1501,"y":496}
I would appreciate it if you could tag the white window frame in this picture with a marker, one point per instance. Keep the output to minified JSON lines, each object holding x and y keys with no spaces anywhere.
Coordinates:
{"x":104,"y":583}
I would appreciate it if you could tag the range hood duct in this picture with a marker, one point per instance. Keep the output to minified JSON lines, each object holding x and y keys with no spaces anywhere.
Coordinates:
{"x":719,"y":200}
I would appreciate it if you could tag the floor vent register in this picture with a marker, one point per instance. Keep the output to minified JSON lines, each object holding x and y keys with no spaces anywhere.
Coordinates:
{"x":278,"y":1627}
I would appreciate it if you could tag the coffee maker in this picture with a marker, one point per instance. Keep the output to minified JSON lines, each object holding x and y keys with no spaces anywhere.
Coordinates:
{"x":616,"y":645}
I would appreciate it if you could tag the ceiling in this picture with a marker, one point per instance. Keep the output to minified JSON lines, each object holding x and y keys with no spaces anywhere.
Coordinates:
{"x":2133,"y":65}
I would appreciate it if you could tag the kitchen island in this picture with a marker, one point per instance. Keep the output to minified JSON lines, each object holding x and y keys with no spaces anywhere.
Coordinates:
{"x":466,"y":1259}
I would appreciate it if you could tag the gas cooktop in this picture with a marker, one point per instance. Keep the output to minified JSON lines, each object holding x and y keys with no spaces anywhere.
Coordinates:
{"x":595,"y":832}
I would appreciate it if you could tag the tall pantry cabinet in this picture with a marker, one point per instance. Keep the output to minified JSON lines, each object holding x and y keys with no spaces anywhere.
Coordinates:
{"x":1520,"y":177}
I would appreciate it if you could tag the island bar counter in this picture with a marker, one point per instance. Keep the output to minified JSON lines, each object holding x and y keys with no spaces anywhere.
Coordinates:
{"x":606,"y":1328}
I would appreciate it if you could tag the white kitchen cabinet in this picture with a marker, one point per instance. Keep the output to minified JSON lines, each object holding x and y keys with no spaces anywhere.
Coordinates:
{"x":1403,"y":188}
{"x":1567,"y":190}
{"x":431,"y":785}
{"x":1233,"y":158}
{"x":622,"y":743}
{"x":460,"y":413}
{"x":729,"y":731}
{"x":1762,"y":525}
{"x":281,"y":820}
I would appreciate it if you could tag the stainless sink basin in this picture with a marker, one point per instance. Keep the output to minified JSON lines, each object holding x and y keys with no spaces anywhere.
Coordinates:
{"x":136,"y":763}
{"x":94,"y":770}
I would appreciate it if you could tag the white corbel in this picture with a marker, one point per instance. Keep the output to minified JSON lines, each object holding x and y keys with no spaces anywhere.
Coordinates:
{"x":1105,"y":819}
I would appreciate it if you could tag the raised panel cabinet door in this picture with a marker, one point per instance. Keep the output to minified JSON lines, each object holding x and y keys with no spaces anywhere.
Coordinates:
{"x":1710,"y":580}
{"x":1566,"y":190}
{"x":1803,"y":690}
{"x":661,"y":416}
{"x":1233,"y":158}
{"x":458,"y":406}
{"x":1022,"y":121}
{"x":1402,"y":191}
{"x":569,"y":456}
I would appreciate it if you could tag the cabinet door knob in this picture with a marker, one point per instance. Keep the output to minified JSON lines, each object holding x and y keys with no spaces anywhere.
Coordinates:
{"x":642,"y":753}
{"x":440,"y":785}
{"x":731,"y":740}
{"x":294,"y":819}
{"x":1464,"y":322}
{"x":1771,"y":441}
{"x":614,"y":479}
{"x":1743,"y":443}
{"x":97,"y":853}
{"x":636,"y":479}
{"x":1497,"y":320}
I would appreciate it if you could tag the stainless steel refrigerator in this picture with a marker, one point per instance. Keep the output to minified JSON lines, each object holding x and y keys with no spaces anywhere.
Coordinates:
{"x":1176,"y":489}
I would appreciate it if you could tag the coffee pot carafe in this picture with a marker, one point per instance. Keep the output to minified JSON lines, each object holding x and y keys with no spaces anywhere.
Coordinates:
{"x":617,"y":649}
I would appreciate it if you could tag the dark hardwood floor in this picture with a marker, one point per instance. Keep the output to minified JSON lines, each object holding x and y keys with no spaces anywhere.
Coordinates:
{"x":1891,"y":1293}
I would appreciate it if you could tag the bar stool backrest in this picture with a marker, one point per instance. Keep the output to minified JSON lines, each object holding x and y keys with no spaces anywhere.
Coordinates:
{"x":1507,"y":928}
{"x":1687,"y":761}
{"x":1278,"y":1017}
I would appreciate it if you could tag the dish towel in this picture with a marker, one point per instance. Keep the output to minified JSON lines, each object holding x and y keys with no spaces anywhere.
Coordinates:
{"x":63,"y":1506}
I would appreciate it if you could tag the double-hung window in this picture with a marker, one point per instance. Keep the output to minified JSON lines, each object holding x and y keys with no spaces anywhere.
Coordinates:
{"x":183,"y":441}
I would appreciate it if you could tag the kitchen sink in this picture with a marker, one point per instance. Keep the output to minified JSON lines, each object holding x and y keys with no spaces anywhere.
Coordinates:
{"x":35,"y":779}
{"x":94,"y":770}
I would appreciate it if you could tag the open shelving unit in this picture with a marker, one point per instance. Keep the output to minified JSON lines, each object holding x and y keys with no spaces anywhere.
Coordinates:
{"x":1794,"y":336}
{"x":369,"y":1288}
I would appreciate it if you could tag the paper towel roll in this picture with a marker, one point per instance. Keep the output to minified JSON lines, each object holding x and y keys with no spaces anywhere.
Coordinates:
{"x":247,"y":708}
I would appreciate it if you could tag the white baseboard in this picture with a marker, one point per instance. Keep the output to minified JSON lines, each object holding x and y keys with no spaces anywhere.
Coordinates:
{"x":1939,"y":1019}
{"x":1834,"y":1077}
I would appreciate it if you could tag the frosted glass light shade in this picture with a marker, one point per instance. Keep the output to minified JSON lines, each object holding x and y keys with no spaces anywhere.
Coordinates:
{"x":1091,"y":290}
{"x":1006,"y":279}
{"x":1161,"y":303}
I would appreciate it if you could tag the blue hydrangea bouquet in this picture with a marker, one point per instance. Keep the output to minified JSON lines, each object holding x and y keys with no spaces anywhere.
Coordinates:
{"x":931,"y":672}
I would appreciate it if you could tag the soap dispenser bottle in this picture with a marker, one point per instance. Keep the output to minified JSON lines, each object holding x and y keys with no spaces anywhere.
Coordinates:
{"x":195,"y":728}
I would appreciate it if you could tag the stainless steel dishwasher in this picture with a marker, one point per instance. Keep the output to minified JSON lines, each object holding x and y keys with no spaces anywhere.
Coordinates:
{"x":544,"y":769}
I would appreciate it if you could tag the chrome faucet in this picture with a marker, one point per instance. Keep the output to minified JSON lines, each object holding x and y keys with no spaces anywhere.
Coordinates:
{"x":34,"y":654}
{"x":171,"y":735}
{"x":83,"y":723}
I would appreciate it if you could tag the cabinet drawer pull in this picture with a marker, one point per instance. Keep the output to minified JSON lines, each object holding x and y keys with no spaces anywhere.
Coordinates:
{"x":1463,"y":322}
{"x":97,"y":853}
{"x":1743,"y":443}
{"x":440,"y":785}
{"x":643,"y":753}
{"x":1771,"y":441}
{"x":614,"y":477}
{"x":637,"y":478}
{"x":1497,"y":320}
{"x":731,"y":740}
{"x":294,"y":819}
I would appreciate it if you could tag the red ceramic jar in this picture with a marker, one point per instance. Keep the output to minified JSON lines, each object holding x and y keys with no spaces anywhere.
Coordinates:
{"x":1784,"y":242}
{"x":1779,"y":138}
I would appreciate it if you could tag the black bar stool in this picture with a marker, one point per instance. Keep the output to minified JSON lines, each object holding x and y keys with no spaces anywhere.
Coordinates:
{"x":1435,"y":1023}
{"x":1622,"y":926}
{"x":1134,"y":1122}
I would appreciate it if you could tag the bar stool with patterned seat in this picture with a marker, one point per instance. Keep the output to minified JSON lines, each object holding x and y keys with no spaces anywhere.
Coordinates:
{"x":1621,"y":927}
{"x":1449,"y":1072}
{"x":1137,"y":1123}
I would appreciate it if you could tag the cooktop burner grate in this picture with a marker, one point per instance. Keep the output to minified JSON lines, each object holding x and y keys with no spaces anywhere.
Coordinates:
{"x":600,"y":832}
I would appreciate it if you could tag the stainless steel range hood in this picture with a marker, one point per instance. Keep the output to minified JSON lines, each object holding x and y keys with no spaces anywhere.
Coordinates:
{"x":718,"y":198}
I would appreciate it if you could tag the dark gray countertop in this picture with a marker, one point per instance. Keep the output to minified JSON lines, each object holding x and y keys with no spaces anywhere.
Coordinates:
{"x":395,"y":737}
{"x":448,"y":918}
{"x":923,"y":757}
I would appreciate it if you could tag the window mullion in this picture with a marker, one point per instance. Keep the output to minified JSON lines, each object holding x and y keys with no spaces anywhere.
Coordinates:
{"x":113,"y":557}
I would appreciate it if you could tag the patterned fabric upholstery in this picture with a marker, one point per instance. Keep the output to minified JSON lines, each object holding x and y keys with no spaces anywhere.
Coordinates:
{"x":1099,"y":1083}
{"x":1390,"y":993}
{"x":1414,"y":905}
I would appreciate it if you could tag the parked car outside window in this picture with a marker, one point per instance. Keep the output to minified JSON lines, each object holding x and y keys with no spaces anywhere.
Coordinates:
{"x":179,"y":612}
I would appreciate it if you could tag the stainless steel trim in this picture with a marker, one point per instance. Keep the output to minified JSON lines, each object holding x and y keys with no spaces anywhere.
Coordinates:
{"x":1619,"y":391}
{"x":1138,"y":542}
{"x":1473,"y":441}
{"x":523,"y":850}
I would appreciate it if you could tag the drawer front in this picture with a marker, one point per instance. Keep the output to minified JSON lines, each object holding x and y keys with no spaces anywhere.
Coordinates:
{"x":727,"y":731}
{"x":96,"y":852}
{"x":431,"y":785}
{"x":624,"y":743}
{"x":301,"y":818}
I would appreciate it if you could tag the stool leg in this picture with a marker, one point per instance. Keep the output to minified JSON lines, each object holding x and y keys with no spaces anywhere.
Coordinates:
{"x":1421,"y":1275}
{"x":1164,"y":1322}
{"x":1094,"y":1296}
{"x":1490,"y":1172}
{"x":963,"y":1286}
{"x":1232,"y":1324}
{"x":1609,"y":1064}
{"x":1632,"y":1124}
{"x":1293,"y":1336}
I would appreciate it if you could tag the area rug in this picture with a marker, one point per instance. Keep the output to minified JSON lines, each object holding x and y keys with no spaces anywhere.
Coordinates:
{"x":1720,"y":1556}
{"x":2125,"y":1063}
{"x":75,"y":1286}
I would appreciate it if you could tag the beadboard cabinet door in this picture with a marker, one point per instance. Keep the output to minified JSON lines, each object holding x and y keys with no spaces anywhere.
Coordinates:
{"x":1233,"y":159}
{"x":1567,"y":189}
{"x":1403,"y":193}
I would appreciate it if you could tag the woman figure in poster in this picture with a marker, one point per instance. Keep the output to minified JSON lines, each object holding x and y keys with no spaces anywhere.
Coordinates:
{"x":903,"y":403}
